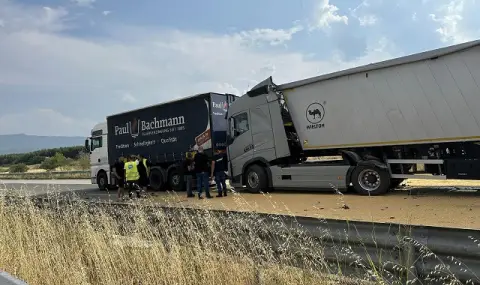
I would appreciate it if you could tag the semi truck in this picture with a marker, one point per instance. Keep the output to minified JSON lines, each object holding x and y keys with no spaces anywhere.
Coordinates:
{"x":163,"y":133}
{"x":416,"y":116}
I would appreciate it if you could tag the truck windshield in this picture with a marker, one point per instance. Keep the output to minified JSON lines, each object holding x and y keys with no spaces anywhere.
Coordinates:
{"x":96,"y":142}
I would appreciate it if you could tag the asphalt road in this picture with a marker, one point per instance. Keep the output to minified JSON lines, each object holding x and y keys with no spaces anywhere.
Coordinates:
{"x":447,"y":206}
{"x":82,"y":188}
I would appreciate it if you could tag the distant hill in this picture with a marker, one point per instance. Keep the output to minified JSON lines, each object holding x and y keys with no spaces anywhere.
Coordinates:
{"x":21,"y":143}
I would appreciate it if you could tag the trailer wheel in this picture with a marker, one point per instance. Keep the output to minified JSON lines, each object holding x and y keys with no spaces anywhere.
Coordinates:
{"x":256,"y":179}
{"x":175,"y":180}
{"x":370,"y":180}
{"x":102,"y":180}
{"x":156,"y":179}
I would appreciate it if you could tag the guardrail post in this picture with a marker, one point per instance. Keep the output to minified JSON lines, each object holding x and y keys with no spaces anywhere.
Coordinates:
{"x":407,"y":256}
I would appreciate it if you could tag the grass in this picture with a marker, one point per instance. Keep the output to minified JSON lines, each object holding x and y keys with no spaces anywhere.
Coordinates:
{"x":78,"y":244}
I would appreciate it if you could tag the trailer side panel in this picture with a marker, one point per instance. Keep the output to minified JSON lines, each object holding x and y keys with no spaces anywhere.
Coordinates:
{"x":434,"y":100}
{"x":163,"y":133}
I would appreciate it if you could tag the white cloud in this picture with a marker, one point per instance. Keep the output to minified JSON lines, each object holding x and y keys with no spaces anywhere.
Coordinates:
{"x":22,"y":17}
{"x":327,"y":14}
{"x":273,"y":37}
{"x":44,"y":122}
{"x":84,"y":3}
{"x":128,"y":98}
{"x":106,"y":13}
{"x":155,"y":65}
{"x":367,"y":20}
{"x":361,"y":13}
{"x":450,"y":19}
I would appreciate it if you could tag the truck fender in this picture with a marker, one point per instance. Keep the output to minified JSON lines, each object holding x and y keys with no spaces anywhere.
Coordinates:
{"x":352,"y":157}
{"x":262,"y":162}
{"x":348,"y":176}
{"x":169,"y":168}
{"x":375,"y":163}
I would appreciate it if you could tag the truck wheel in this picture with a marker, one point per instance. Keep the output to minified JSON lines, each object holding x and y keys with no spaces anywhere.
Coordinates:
{"x":102,"y":180}
{"x":370,"y":180}
{"x":256,"y":179}
{"x":175,"y":180}
{"x":156,"y":180}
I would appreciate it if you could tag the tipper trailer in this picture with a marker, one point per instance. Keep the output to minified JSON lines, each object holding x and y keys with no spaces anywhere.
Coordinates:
{"x":384,"y":119}
{"x":163,"y":133}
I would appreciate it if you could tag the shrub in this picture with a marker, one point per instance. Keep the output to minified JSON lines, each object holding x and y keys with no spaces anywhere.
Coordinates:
{"x":84,"y":161}
{"x":50,"y":163}
{"x":18,"y":168}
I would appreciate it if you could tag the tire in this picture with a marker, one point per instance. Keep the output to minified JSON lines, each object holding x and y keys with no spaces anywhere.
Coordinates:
{"x":156,"y":180}
{"x":256,"y":179}
{"x":377,"y":183}
{"x":175,"y":180}
{"x":102,"y":180}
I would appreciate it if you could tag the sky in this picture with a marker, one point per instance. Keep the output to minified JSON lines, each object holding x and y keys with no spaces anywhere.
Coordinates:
{"x":67,"y":64}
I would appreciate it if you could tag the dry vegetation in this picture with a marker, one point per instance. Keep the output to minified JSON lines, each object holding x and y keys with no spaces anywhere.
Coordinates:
{"x":81,"y":244}
{"x":75,"y":246}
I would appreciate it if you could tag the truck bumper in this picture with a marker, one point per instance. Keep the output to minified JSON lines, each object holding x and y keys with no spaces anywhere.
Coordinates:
{"x":94,"y":180}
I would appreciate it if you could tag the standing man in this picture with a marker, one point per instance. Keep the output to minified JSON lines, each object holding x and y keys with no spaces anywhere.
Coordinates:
{"x":119,"y":173}
{"x":188,"y":174}
{"x":143,"y":171}
{"x":201,"y":170}
{"x":132,"y":176}
{"x":219,"y":166}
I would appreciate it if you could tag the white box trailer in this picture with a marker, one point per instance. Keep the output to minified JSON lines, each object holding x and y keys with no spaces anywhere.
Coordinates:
{"x":384,"y":119}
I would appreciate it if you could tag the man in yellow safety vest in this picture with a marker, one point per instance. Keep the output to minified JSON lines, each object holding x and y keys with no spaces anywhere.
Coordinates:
{"x":132,"y":176}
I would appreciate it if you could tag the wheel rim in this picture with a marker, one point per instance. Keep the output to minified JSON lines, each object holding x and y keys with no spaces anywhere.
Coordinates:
{"x":253,"y":179}
{"x":176,"y":179}
{"x":369,"y":180}
{"x":102,"y":181}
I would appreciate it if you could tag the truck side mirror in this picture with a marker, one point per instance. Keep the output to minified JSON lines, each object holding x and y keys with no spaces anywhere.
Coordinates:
{"x":87,"y":145}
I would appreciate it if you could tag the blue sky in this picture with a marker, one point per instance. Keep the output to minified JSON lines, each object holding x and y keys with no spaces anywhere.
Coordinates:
{"x":67,"y":64}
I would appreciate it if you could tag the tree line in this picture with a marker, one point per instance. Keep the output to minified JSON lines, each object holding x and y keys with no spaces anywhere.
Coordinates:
{"x":37,"y":157}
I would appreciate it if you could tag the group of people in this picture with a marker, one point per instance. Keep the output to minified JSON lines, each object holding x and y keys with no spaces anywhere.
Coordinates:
{"x":132,"y":173}
{"x":198,"y":165}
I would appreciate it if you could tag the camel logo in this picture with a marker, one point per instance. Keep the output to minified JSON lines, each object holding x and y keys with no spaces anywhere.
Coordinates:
{"x":315,"y":113}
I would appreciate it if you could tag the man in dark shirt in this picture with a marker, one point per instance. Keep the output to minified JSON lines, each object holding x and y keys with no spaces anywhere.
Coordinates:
{"x":119,"y":173}
{"x":201,"y":170}
{"x":219,"y":166}
{"x":143,"y":170}
{"x":188,"y":173}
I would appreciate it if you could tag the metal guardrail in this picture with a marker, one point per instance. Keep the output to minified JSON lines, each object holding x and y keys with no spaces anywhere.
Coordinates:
{"x":7,"y":279}
{"x":47,"y":173}
{"x":413,"y":254}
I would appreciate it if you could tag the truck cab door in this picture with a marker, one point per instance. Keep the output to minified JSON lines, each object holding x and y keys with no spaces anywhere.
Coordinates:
{"x":240,"y":145}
